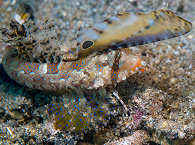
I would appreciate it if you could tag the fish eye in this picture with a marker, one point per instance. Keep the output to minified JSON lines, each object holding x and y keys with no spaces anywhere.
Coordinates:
{"x":87,"y":44}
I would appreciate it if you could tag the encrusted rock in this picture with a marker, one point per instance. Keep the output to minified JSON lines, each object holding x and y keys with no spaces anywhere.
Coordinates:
{"x":139,"y":137}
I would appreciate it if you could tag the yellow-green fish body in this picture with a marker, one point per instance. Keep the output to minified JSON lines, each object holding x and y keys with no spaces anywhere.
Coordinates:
{"x":131,"y":29}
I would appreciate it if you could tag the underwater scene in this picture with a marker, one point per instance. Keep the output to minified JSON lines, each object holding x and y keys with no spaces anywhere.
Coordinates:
{"x":97,"y":72}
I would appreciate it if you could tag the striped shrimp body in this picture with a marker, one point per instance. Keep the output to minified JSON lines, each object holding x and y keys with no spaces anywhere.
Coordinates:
{"x":131,"y":29}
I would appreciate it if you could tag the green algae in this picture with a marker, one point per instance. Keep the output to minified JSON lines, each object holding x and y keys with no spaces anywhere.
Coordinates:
{"x":78,"y":116}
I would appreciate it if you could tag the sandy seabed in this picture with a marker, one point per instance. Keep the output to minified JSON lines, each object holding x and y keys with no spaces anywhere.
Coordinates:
{"x":161,"y":101}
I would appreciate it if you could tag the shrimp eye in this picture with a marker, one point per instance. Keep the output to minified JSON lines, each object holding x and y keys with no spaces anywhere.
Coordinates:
{"x":87,"y":44}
